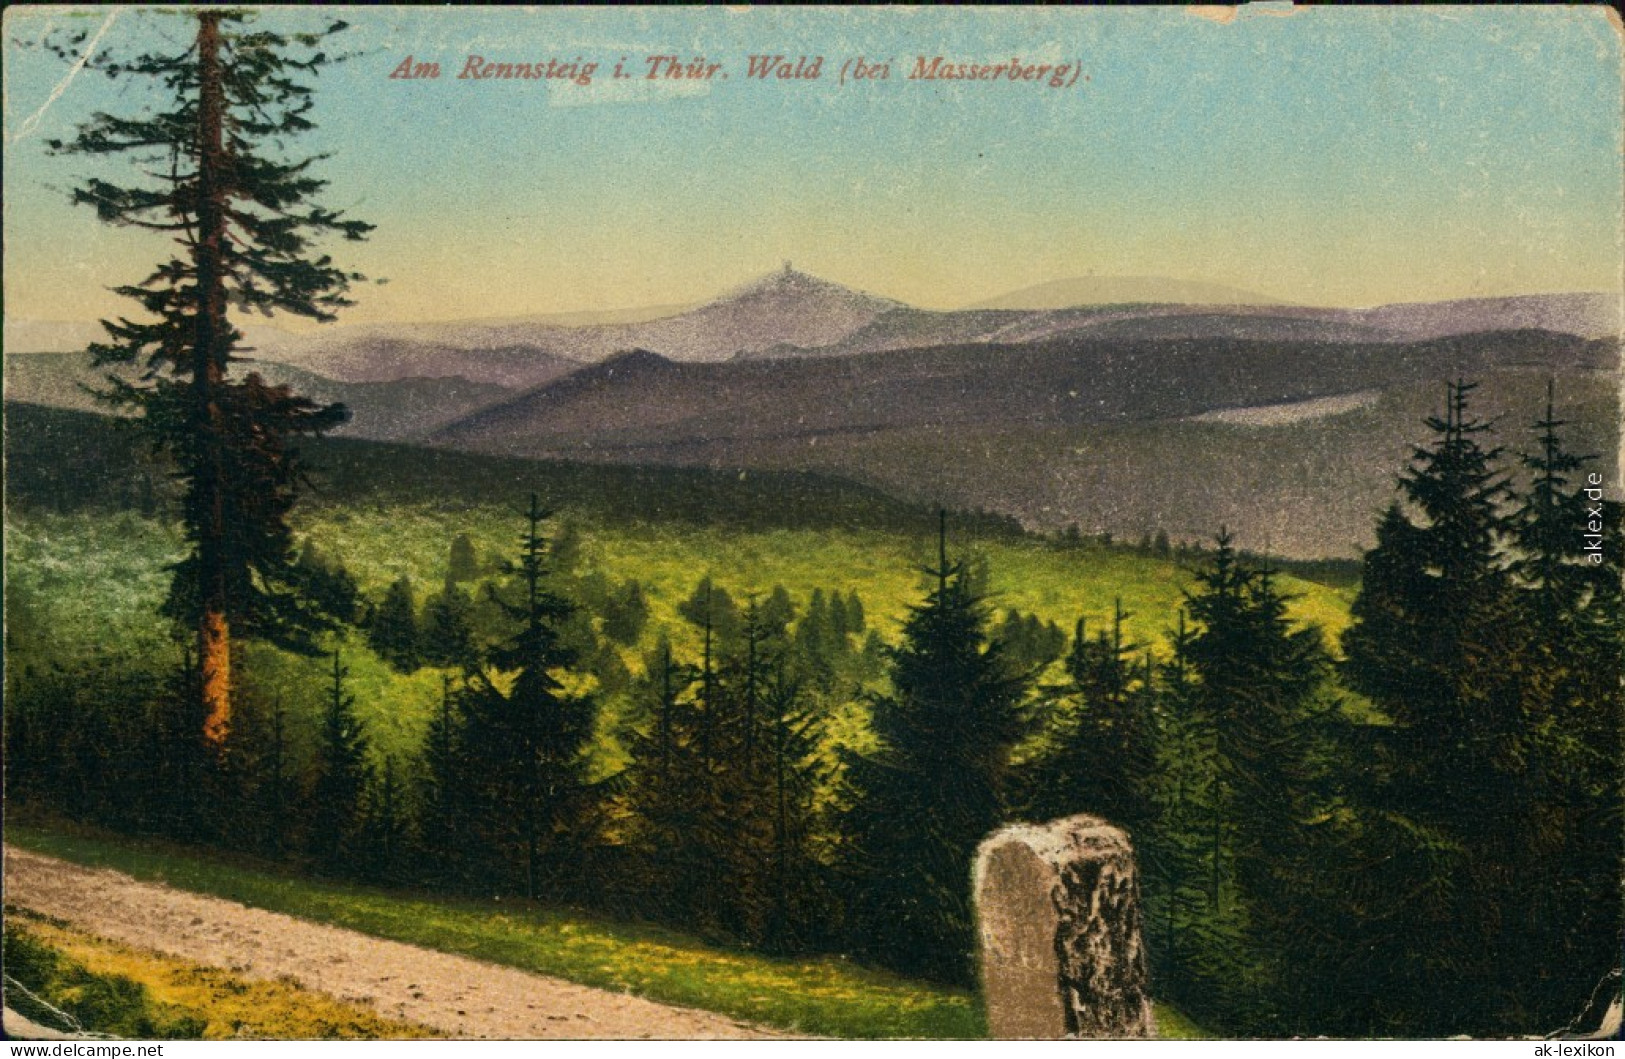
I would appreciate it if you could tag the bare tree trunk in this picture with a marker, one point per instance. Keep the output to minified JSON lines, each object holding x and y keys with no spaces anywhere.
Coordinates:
{"x":208,"y":371}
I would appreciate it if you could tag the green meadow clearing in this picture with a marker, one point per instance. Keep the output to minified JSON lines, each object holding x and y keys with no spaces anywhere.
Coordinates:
{"x":88,"y":583}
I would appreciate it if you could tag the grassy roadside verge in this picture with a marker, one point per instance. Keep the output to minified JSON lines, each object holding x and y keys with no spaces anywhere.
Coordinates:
{"x":134,"y":993}
{"x":826,"y":997}
{"x":819,"y":996}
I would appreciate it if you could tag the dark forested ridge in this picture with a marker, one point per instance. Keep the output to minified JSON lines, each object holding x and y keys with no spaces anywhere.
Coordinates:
{"x":1124,"y":437}
{"x":1288,"y":438}
{"x":65,"y":460}
{"x":643,"y":401}
{"x":389,"y":409}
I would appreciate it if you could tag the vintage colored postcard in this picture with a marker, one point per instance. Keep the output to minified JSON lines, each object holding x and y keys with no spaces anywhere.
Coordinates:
{"x":781,"y":522}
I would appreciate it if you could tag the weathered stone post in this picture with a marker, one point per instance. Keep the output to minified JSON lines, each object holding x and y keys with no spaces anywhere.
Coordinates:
{"x":1058,"y":910}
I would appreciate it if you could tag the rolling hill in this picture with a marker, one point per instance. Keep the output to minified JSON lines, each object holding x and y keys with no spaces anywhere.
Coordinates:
{"x":1116,"y":436}
{"x":1105,"y":290}
{"x":387,"y":410}
{"x":790,"y":313}
{"x":1123,"y":417}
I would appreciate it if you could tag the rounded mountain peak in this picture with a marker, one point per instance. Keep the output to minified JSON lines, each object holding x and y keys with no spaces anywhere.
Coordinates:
{"x":790,"y":283}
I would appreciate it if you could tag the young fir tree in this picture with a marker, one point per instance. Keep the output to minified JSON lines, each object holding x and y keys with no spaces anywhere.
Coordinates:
{"x":525,"y":736}
{"x":446,"y":636}
{"x":342,"y":776}
{"x":277,"y":793}
{"x":710,"y":606}
{"x":1178,"y":878}
{"x":463,"y":564}
{"x":779,"y":610}
{"x":1104,"y":761}
{"x":326,"y":583}
{"x":739,"y":778}
{"x":1027,"y":642}
{"x":446,"y":791}
{"x":934,"y":786}
{"x":668,"y":784}
{"x":386,"y":832}
{"x":626,"y":614}
{"x":856,"y":621}
{"x":258,"y":753}
{"x":181,"y":751}
{"x":393,"y":628}
{"x":244,"y":222}
{"x":766,"y":778}
{"x":799,"y":906}
{"x":820,"y":640}
{"x":1258,"y":678}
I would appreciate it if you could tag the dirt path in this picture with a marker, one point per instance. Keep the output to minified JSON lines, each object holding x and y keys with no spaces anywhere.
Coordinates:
{"x":457,"y":995}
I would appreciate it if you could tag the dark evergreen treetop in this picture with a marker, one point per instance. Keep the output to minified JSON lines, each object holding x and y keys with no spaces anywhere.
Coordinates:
{"x":342,"y":771}
{"x":1550,"y":522}
{"x":1436,"y":597}
{"x":261,"y":100}
{"x":215,"y":180}
{"x":525,"y":733}
{"x":1458,"y":487}
{"x":551,"y":723}
{"x":937,"y":782}
{"x":1257,"y":675}
{"x":1103,"y":760}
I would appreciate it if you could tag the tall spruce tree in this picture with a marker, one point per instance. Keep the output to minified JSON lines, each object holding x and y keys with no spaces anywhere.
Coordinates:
{"x":525,"y":735}
{"x":1446,"y":801}
{"x":1435,"y":592}
{"x":244,"y":223}
{"x":1568,"y":566}
{"x":936,"y":783}
{"x":740,"y":776}
{"x":797,"y":770}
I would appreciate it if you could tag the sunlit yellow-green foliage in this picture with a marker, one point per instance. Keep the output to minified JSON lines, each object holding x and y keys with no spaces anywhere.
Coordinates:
{"x":380,"y":545}
{"x":78,"y":581}
{"x":178,"y":998}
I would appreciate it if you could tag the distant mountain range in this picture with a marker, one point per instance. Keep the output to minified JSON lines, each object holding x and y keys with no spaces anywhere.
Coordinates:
{"x":390,"y":410}
{"x":1117,"y":414}
{"x":1123,"y":290}
{"x":792,"y":313}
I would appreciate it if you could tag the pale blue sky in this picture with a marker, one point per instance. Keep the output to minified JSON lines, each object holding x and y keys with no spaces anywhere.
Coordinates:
{"x":1336,"y":156}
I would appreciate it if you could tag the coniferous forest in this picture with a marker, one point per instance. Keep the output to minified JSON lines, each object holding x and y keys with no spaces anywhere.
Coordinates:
{"x":1409,"y":830}
{"x":1409,"y":825}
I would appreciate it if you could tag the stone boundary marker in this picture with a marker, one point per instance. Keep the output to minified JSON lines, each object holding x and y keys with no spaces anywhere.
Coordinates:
{"x":1058,"y":914}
